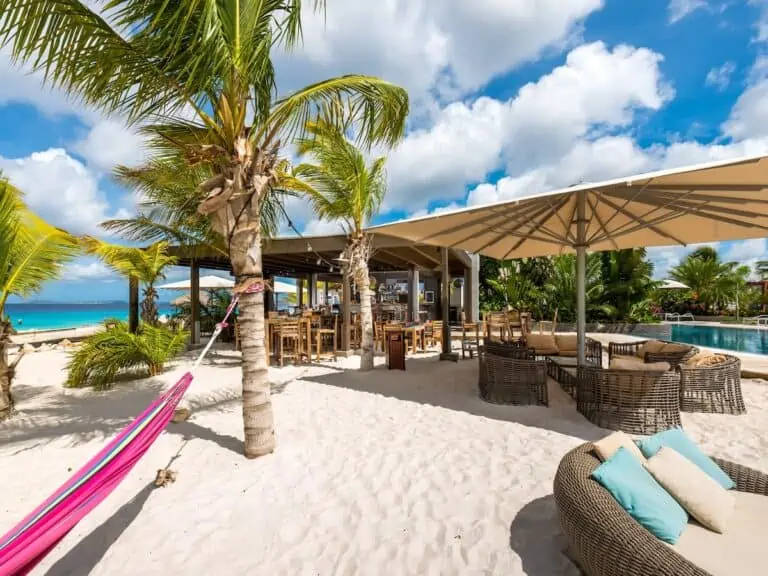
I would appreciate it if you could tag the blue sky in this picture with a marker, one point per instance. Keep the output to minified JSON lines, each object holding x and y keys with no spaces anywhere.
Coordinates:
{"x":508,"y":98}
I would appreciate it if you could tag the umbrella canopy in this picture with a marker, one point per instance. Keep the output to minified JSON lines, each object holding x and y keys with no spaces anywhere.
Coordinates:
{"x":708,"y":202}
{"x":206,"y":283}
{"x":703,"y":203}
{"x":672,"y":285}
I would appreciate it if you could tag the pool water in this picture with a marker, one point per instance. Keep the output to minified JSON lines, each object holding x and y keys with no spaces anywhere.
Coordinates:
{"x":750,"y":340}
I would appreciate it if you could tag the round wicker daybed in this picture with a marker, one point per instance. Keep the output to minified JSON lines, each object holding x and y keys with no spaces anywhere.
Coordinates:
{"x":605,"y":541}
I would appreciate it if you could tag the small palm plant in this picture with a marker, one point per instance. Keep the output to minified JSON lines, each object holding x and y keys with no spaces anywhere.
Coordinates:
{"x":32,"y":252}
{"x":103,"y":357}
{"x":343,"y":187}
{"x":146,"y":265}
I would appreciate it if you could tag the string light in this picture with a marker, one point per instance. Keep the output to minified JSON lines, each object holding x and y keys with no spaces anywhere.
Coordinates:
{"x":320,"y":259}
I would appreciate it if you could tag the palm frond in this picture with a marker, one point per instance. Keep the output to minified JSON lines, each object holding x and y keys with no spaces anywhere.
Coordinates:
{"x":376,"y":110}
{"x":103,"y":357}
{"x":32,"y":251}
{"x":144,"y":264}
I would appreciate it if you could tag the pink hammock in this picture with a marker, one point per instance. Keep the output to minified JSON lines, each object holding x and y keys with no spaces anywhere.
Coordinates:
{"x":27,"y":543}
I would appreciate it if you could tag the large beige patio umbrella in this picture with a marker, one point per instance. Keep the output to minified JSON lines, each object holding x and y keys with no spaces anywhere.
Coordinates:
{"x":703,"y":203}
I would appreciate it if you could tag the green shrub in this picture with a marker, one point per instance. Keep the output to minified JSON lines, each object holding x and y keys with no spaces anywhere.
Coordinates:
{"x":106,"y":355}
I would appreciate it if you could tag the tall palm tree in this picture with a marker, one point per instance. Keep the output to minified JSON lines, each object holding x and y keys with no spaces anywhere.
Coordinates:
{"x":198,"y":76}
{"x":32,"y":252}
{"x":144,"y":265}
{"x":627,"y":279}
{"x":712,"y":281}
{"x":343,"y":187}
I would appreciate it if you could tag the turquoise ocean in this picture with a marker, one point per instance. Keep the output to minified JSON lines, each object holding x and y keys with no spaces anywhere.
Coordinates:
{"x":31,"y":316}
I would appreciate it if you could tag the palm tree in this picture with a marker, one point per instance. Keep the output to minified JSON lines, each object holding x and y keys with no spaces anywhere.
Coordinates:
{"x":145,"y":265}
{"x":343,"y":187}
{"x":627,"y":278}
{"x":198,"y":76}
{"x":561,"y":287}
{"x":712,"y":281}
{"x":31,"y":253}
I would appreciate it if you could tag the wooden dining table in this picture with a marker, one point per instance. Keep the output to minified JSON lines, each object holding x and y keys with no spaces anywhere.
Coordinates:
{"x":273,"y":327}
{"x":417,"y":336}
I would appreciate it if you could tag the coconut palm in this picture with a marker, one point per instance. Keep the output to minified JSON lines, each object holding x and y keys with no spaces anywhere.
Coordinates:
{"x":712,"y":281}
{"x":198,"y":76}
{"x":32,"y":252}
{"x":145,"y":265}
{"x":344,"y":188}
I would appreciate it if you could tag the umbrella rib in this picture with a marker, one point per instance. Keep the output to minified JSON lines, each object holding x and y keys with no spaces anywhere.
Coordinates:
{"x":686,"y":202}
{"x":522,"y":237}
{"x":600,"y":221}
{"x":626,"y":202}
{"x":566,"y":227}
{"x":457,"y":227}
{"x":528,"y":210}
{"x":711,"y":187}
{"x":642,"y":216}
{"x":642,"y":220}
{"x":535,"y":225}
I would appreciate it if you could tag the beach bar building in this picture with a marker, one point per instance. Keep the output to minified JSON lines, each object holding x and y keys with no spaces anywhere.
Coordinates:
{"x":425,"y":270}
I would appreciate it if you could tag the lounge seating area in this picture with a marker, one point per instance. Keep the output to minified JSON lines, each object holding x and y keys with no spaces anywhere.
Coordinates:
{"x":643,"y":390}
{"x":689,"y":514}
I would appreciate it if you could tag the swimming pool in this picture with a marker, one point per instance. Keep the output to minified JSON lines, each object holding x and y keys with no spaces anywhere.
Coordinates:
{"x":749,"y":340}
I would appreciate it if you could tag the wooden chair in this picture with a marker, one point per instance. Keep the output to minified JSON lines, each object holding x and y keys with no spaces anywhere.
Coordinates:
{"x":290,"y":333}
{"x":496,"y":323}
{"x":470,"y":339}
{"x":325,"y":341}
{"x":435,"y":333}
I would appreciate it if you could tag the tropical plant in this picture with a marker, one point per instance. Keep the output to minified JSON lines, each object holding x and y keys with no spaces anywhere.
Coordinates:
{"x":515,"y":287}
{"x":561,"y":288}
{"x":343,"y":187}
{"x":761,"y":268}
{"x":627,"y":280}
{"x":145,"y":265}
{"x":712,"y":282}
{"x":32,"y":252}
{"x":104,"y":356}
{"x":199,"y":77}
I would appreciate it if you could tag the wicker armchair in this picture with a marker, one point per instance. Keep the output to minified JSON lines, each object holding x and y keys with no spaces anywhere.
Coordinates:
{"x":606,"y":541}
{"x":639,"y":402}
{"x":712,"y":389}
{"x":510,"y":374}
{"x":630,"y":349}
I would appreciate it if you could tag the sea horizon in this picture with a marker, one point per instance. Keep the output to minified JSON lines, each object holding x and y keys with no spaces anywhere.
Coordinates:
{"x":50,"y":315}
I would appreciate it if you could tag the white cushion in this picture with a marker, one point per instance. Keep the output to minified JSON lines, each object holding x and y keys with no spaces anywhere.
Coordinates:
{"x":696,"y":491}
{"x":607,"y":447}
{"x":740,"y":551}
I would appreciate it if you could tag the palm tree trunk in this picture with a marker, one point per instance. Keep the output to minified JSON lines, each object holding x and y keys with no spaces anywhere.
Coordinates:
{"x":258,"y":420}
{"x":359,"y":263}
{"x":366,"y":315}
{"x":6,"y":372}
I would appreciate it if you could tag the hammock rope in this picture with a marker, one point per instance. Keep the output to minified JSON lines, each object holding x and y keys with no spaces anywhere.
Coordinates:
{"x":27,"y":543}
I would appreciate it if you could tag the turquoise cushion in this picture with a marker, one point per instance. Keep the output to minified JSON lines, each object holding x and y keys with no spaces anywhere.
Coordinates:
{"x":682,"y":444}
{"x":641,"y":496}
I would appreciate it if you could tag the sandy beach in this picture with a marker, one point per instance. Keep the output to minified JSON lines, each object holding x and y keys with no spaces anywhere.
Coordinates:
{"x":381,"y":473}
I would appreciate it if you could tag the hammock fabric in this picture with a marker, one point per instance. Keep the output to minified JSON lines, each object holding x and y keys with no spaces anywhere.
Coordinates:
{"x":33,"y":538}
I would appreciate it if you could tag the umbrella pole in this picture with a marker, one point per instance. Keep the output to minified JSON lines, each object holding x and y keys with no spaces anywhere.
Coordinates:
{"x":581,"y":264}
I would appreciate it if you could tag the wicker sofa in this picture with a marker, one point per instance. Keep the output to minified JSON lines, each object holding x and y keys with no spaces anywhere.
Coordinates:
{"x":511,"y":374}
{"x":714,"y":389}
{"x":605,"y":541}
{"x":672,"y":353}
{"x":635,"y":401}
{"x":564,"y":345}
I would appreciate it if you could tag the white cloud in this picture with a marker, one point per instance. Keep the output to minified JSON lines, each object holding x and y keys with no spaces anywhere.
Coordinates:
{"x":317,"y":227}
{"x":749,"y":117}
{"x":60,"y":189}
{"x":720,"y":77}
{"x":451,"y":46}
{"x":597,"y":89}
{"x":109,"y":143}
{"x":679,"y":9}
{"x":85,"y":270}
{"x":665,"y":258}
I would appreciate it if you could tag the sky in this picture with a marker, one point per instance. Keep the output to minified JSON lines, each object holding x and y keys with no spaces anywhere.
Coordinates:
{"x":508,"y":98}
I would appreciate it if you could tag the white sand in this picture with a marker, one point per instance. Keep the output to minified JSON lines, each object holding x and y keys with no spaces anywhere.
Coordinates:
{"x":385,"y":473}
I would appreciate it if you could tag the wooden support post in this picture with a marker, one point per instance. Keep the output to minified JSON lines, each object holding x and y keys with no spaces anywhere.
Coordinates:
{"x":445,"y":293}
